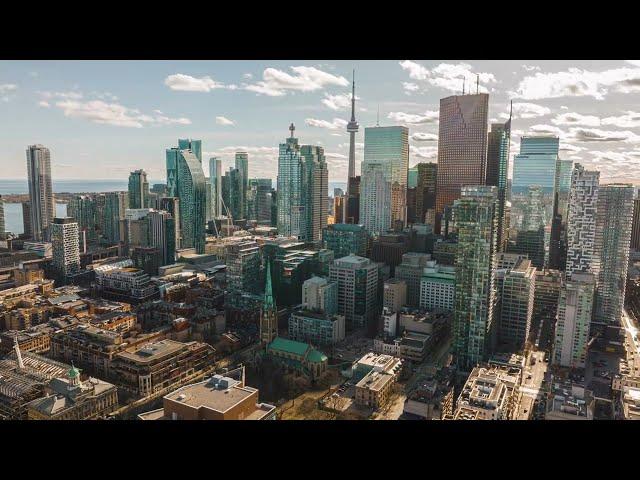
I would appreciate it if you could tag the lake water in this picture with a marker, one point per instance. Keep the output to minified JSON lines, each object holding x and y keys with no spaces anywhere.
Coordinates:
{"x":13,"y":216}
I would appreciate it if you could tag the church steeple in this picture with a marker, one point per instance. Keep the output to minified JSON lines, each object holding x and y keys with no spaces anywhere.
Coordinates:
{"x":269,"y":312}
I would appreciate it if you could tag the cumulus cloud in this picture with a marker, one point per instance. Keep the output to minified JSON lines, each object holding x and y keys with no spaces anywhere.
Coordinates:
{"x":424,"y":137}
{"x":341,"y":101}
{"x":410,"y":87}
{"x":276,"y":83}
{"x":336,"y":124}
{"x":576,"y":119}
{"x":576,"y":82}
{"x":628,"y":120}
{"x":7,"y":87}
{"x":338,"y":156}
{"x":596,"y":135}
{"x":424,"y":152}
{"x":224,"y":121}
{"x":98,"y":111}
{"x":44,"y":104}
{"x":70,"y":95}
{"x":187,"y":83}
{"x":447,"y":76}
{"x":430,"y":116}
{"x":531,"y":68}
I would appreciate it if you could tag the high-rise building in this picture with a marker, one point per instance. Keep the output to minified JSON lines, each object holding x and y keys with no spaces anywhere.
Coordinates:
{"x":375,"y":199}
{"x":474,"y":325}
{"x":535,"y":164}
{"x":530,"y":239}
{"x":388,"y":147}
{"x":516,"y":290}
{"x":412,"y":177}
{"x":243,"y":261}
{"x":185,"y":180}
{"x":162,"y":233}
{"x":172,"y":205}
{"x":40,"y":191}
{"x":215,"y":182}
{"x":26,"y":220}
{"x":411,"y":270}
{"x":575,"y":308}
{"x":394,"y":295}
{"x":427,"y":174}
{"x":581,"y":220}
{"x":438,"y":287}
{"x":558,"y":242}
{"x":545,"y":305}
{"x":462,"y":146}
{"x":116,"y":203}
{"x":291,"y":215}
{"x":315,"y":190}
{"x":66,"y":254}
{"x":320,"y":295}
{"x":232,"y":187}
{"x":635,"y":229}
{"x":259,"y":200}
{"x":498,"y":146}
{"x":242,"y":165}
{"x":345,"y":239}
{"x":195,"y":146}
{"x":138,"y":189}
{"x":269,"y":312}
{"x":82,"y":208}
{"x":613,"y":236}
{"x":353,"y":201}
{"x":2,"y":225}
{"x":357,"y":280}
{"x":340,"y":209}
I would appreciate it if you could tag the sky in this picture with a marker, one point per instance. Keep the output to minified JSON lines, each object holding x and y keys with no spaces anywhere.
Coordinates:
{"x":103,"y":119}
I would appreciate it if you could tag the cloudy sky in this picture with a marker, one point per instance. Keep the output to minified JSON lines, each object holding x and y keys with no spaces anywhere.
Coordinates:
{"x":102,"y":119}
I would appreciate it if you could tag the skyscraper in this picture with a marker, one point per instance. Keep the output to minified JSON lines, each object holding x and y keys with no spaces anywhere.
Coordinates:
{"x":558,"y":243}
{"x":536,"y":164}
{"x":82,"y":209}
{"x":40,"y":190}
{"x":388,"y":147}
{"x":581,"y":220}
{"x":474,"y":326}
{"x":116,"y":204}
{"x":635,"y":228}
{"x":66,"y":254}
{"x":427,"y":174}
{"x":172,"y":205}
{"x":242,"y":165}
{"x":575,"y":307}
{"x":352,"y":129}
{"x":138,"y":189}
{"x":185,"y":180}
{"x":516,"y":293}
{"x":530,"y":238}
{"x":375,"y":199}
{"x":259,"y":200}
{"x":498,"y":147}
{"x":232,"y":192}
{"x":194,"y":145}
{"x":462,"y":146}
{"x":215,"y":181}
{"x":162,"y":234}
{"x":2,"y":225}
{"x":315,"y":190}
{"x":291,"y":220}
{"x":26,"y":219}
{"x":357,"y":280}
{"x":613,"y":235}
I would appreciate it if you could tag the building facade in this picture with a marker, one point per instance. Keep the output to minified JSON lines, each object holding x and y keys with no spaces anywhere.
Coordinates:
{"x":41,"y":203}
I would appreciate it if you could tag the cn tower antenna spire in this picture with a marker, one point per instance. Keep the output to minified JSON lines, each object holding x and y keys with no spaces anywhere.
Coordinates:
{"x":352,"y":129}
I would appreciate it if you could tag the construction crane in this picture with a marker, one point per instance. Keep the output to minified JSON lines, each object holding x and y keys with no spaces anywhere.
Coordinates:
{"x":228,"y":216}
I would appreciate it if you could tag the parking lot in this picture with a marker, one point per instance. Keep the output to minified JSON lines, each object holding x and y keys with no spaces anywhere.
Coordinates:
{"x":352,"y":348}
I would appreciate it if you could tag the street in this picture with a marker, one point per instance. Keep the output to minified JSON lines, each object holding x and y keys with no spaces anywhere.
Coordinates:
{"x":532,"y":379}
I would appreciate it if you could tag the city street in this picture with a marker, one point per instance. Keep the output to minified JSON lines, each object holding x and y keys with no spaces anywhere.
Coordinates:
{"x":530,"y":389}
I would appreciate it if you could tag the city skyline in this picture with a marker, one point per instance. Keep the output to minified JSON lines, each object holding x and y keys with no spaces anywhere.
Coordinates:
{"x":83,"y":111}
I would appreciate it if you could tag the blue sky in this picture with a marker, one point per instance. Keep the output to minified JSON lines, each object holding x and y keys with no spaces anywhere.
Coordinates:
{"x":102,"y":119}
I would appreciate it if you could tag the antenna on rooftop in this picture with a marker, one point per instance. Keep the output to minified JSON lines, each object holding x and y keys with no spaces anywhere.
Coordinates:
{"x":477,"y":83}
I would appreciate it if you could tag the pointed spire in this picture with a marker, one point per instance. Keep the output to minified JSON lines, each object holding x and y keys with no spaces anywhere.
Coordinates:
{"x":353,"y":97}
{"x":477,"y":83}
{"x":16,"y":347}
{"x":292,"y":128}
{"x":464,"y":80}
{"x":268,"y":302}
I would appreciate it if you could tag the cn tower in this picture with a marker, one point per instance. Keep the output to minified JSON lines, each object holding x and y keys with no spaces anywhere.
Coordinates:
{"x":352,"y":128}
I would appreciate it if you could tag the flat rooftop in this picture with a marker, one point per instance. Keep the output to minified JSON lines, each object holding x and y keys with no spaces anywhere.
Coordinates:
{"x":153,"y":351}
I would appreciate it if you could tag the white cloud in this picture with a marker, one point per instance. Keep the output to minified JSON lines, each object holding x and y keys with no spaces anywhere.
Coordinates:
{"x":333,"y":125}
{"x":424,"y":137}
{"x":424,"y":152}
{"x":543,"y":129}
{"x":634,"y":62}
{"x":338,"y":156}
{"x":359,"y":145}
{"x":276,"y":83}
{"x":341,"y":101}
{"x":576,"y":119}
{"x":527,"y":110}
{"x":448,"y":76}
{"x":597,"y":135}
{"x":98,"y":111}
{"x":247,"y":75}
{"x":628,"y":120}
{"x":232,"y":149}
{"x":430,"y":116}
{"x":224,"y":121}
{"x":44,"y":104}
{"x":531,"y":68}
{"x":7,"y":87}
{"x":187,"y":83}
{"x":71,"y":95}
{"x":410,"y":87}
{"x":576,"y":82}
{"x":567,"y":147}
